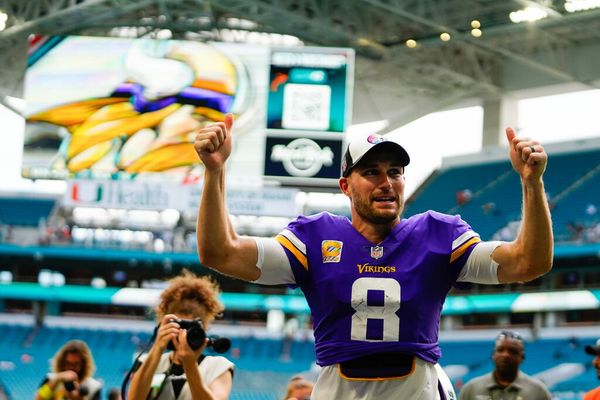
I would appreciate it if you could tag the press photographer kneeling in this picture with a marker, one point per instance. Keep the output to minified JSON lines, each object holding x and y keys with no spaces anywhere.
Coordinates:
{"x":187,"y":306}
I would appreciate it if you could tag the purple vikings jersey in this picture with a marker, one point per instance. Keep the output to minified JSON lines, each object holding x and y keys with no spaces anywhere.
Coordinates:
{"x":370,"y":298}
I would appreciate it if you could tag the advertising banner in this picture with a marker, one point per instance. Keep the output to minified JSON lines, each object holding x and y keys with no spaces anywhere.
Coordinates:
{"x":266,"y":201}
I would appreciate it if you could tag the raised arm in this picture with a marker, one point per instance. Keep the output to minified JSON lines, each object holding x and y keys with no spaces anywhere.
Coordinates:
{"x":219,"y":246}
{"x":530,"y":254}
{"x":141,"y":383}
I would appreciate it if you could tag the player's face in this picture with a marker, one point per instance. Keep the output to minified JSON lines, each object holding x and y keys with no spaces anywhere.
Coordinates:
{"x":596,"y":364}
{"x":376,"y":187}
{"x":508,"y":355}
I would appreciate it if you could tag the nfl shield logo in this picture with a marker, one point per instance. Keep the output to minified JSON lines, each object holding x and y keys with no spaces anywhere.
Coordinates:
{"x":376,"y":252}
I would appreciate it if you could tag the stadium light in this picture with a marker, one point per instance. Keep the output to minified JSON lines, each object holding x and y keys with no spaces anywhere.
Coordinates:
{"x":411,"y":43}
{"x":581,"y":5}
{"x":3,"y":19}
{"x":476,"y":32}
{"x":529,"y":14}
{"x":475,"y":24}
{"x":445,"y":36}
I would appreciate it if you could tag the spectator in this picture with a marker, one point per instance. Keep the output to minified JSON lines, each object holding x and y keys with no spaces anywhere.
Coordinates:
{"x":183,"y":373}
{"x":299,"y":388}
{"x":591,"y":210}
{"x":506,"y":381}
{"x":114,"y":394}
{"x":490,"y":207}
{"x":3,"y":392}
{"x":463,"y":196}
{"x":594,"y":350}
{"x":71,"y":376}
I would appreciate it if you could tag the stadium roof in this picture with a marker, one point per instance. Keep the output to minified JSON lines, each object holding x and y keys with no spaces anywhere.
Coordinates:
{"x":393,"y":81}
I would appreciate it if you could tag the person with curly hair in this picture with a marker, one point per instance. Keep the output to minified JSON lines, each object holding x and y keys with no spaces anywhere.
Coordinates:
{"x":298,"y":388}
{"x":183,"y":373}
{"x":71,"y":377}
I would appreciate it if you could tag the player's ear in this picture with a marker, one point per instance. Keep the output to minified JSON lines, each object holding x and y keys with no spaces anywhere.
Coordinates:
{"x":343,"y":182}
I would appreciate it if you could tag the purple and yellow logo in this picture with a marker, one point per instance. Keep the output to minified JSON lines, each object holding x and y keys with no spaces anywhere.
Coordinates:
{"x":331,"y":251}
{"x":375,"y":139}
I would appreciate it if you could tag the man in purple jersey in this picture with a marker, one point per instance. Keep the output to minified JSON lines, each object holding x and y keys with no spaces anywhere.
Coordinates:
{"x":376,"y":284}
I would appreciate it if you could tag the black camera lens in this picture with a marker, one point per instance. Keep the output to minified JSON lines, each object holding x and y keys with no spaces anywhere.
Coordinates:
{"x":69,"y":385}
{"x":196,"y":336}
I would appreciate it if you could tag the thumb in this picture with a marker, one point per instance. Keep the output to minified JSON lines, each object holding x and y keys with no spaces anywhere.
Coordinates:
{"x":228,"y":121}
{"x":510,"y":135}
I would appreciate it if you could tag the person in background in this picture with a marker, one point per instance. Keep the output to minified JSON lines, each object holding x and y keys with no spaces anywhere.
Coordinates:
{"x":299,"y":388}
{"x":594,"y":350}
{"x":375,"y":283}
{"x":3,"y":391}
{"x":114,"y":394}
{"x":71,"y":377}
{"x":506,"y":381}
{"x":183,"y":373}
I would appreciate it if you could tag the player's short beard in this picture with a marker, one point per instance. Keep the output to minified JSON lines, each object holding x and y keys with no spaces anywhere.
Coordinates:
{"x":364,"y":209}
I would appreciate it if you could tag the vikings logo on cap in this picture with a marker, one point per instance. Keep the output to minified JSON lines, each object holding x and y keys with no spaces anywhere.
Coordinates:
{"x":331,"y":250}
{"x":375,"y":139}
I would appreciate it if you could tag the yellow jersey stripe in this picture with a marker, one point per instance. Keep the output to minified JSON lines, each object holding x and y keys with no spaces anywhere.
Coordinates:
{"x":294,"y":239}
{"x":461,"y":250}
{"x":285,"y":242}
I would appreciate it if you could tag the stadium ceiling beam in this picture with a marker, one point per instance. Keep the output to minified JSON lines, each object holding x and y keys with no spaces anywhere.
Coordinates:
{"x":54,"y":17}
{"x":421,"y":88}
{"x":466,"y":38}
{"x":575,"y":20}
{"x":277,"y":17}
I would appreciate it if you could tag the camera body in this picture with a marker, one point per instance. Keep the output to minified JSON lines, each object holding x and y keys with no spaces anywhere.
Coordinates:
{"x":70,"y":386}
{"x":196,"y":335}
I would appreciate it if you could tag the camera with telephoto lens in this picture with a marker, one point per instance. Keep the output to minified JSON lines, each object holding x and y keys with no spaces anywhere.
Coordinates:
{"x":196,"y":336}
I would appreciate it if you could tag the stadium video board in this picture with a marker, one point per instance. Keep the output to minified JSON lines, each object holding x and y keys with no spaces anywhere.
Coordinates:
{"x":126,"y":109}
{"x":309,"y":89}
{"x":309,"y":109}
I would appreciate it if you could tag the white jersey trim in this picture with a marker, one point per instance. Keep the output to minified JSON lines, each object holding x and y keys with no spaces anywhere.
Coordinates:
{"x":459,"y":241}
{"x":294,"y":239}
{"x":275,"y":268}
{"x":480,"y":267}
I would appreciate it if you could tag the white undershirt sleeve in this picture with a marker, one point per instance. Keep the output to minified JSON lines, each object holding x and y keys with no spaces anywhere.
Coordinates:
{"x":480,"y":267}
{"x":275,"y":268}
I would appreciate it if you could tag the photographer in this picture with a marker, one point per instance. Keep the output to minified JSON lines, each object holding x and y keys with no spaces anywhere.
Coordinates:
{"x":71,"y":376}
{"x":183,"y":373}
{"x":299,"y":388}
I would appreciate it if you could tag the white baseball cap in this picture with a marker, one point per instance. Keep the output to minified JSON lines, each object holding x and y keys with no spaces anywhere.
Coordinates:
{"x":360,"y":146}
